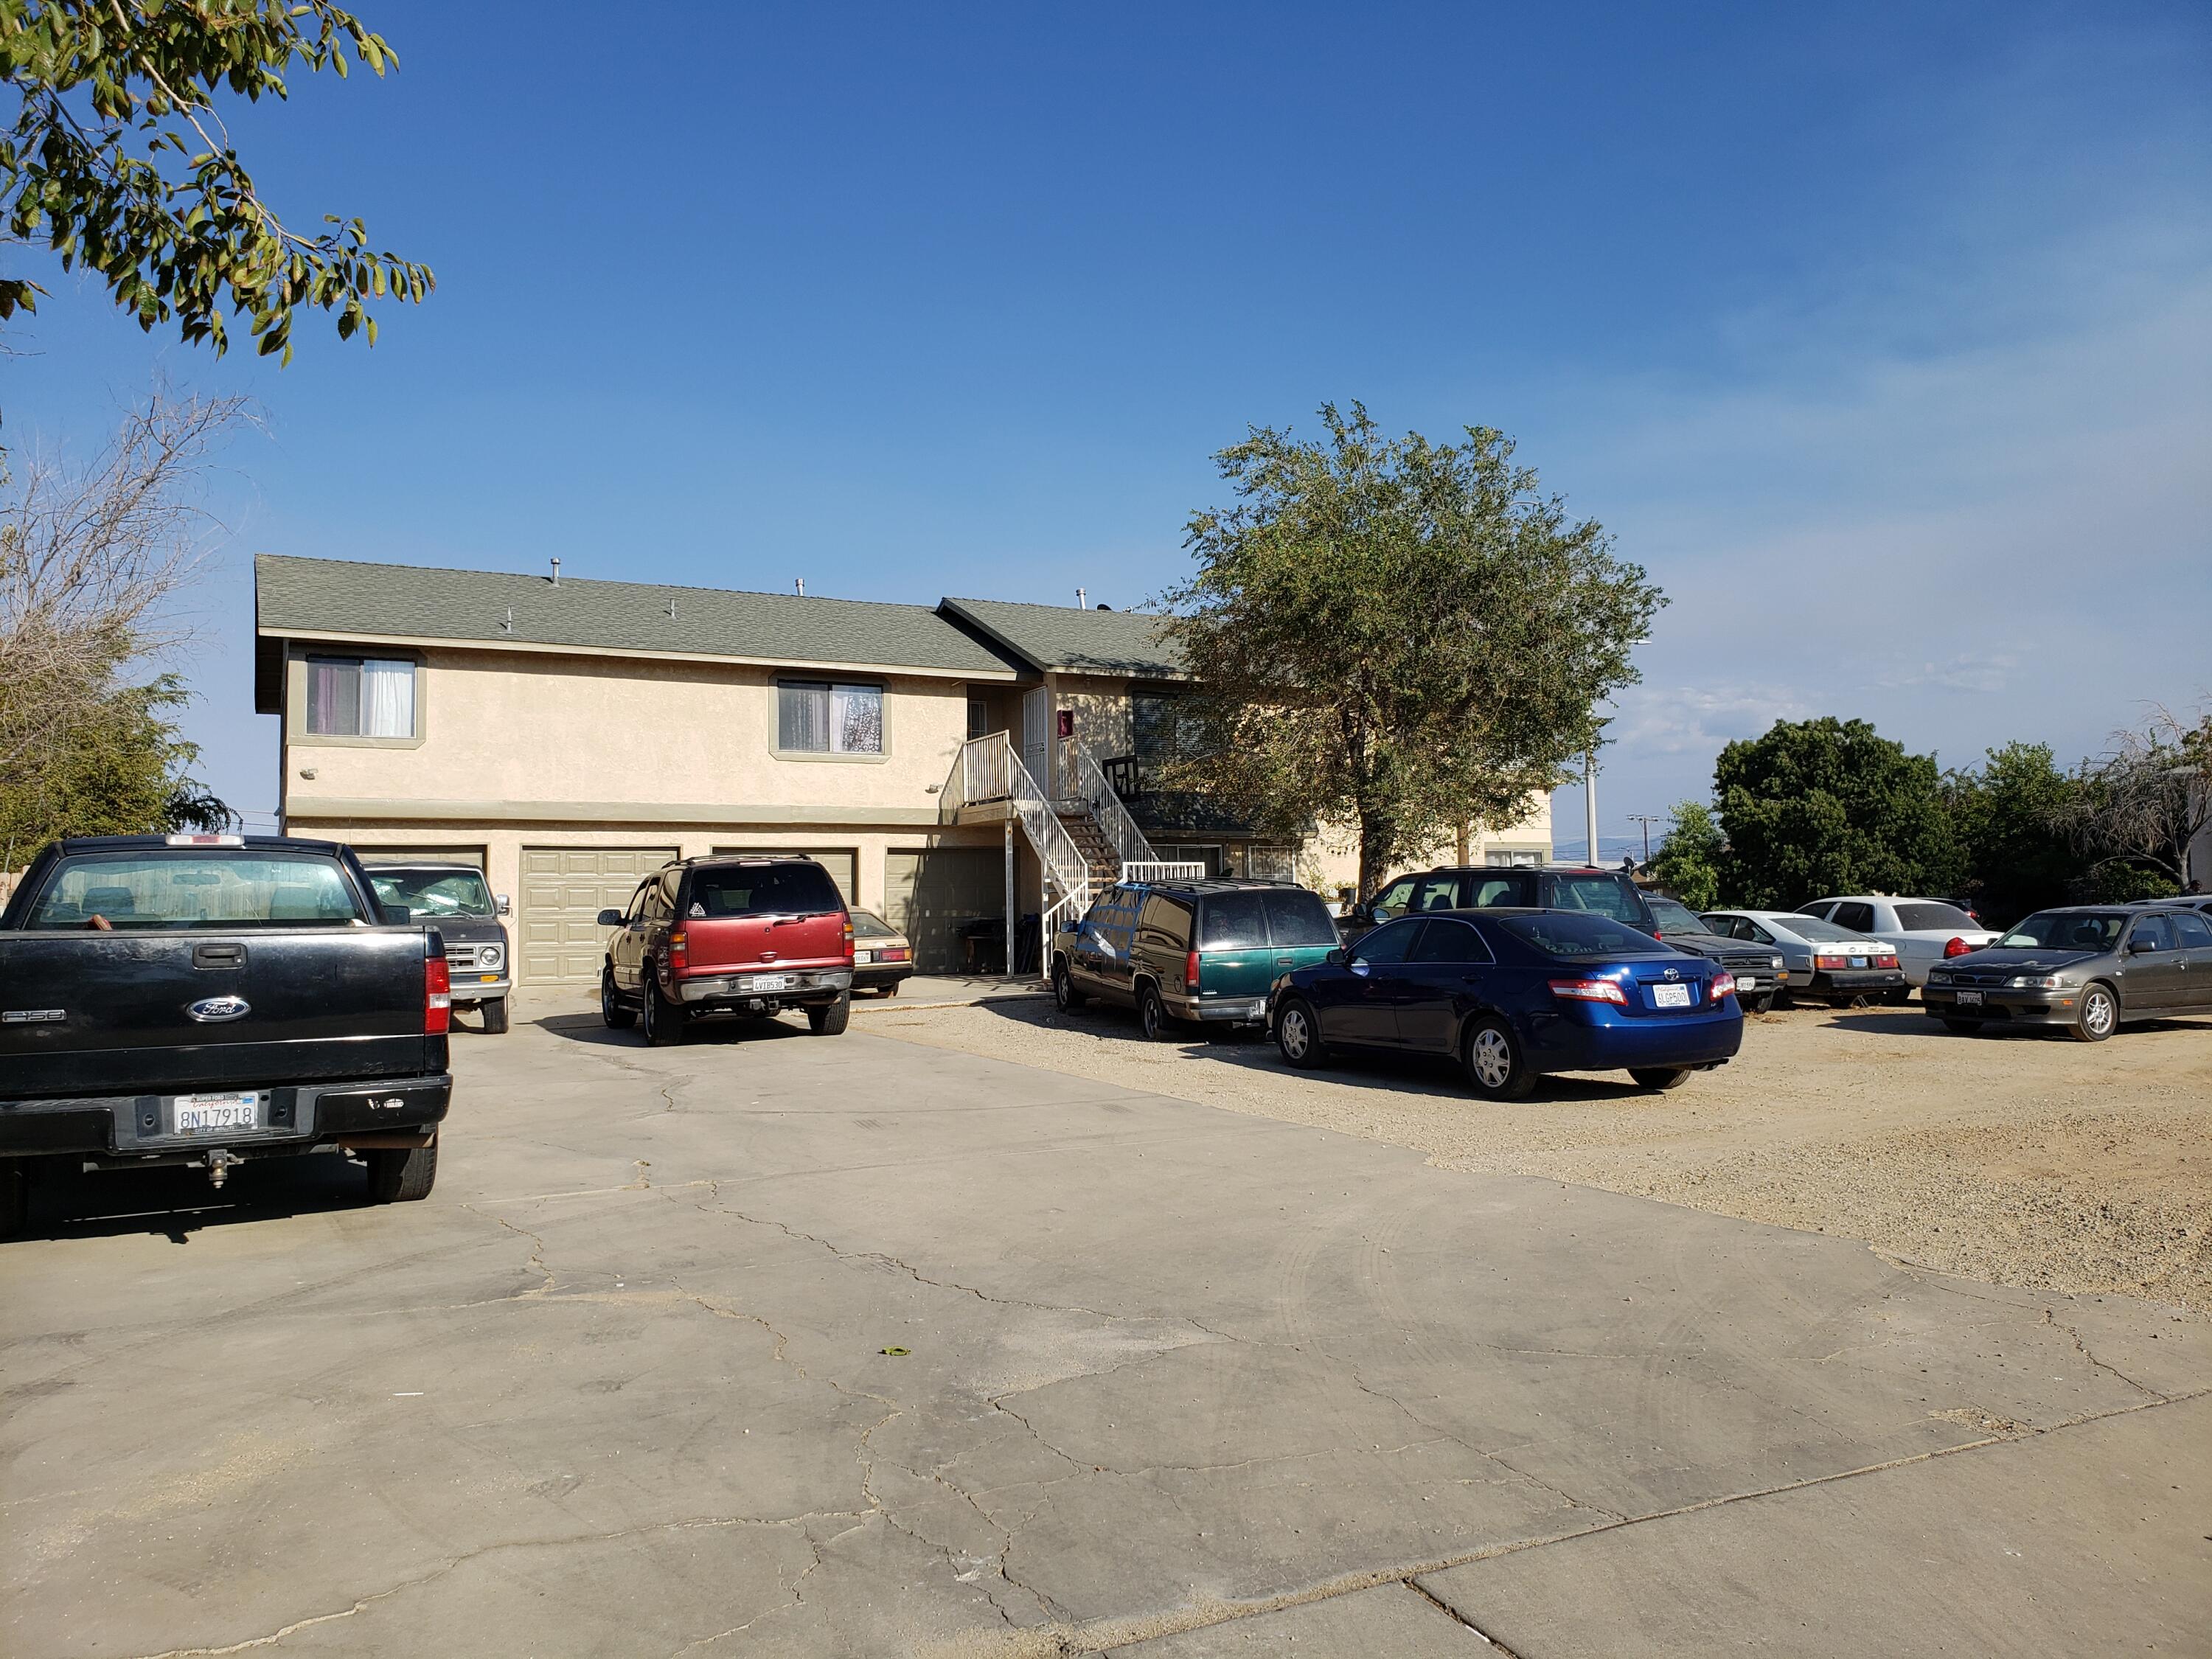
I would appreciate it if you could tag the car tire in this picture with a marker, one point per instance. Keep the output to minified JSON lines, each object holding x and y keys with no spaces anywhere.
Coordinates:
{"x":1963,"y":1027}
{"x":831,"y":1019}
{"x":401,"y":1175}
{"x":1489,"y":1054}
{"x":14,"y":1197}
{"x":889,"y":990}
{"x":1064,"y":993}
{"x":495,"y":1016}
{"x":1660,"y":1077}
{"x":1760,"y":1004}
{"x":1152,"y":1015}
{"x":2098,"y":1015}
{"x":618,"y":1015}
{"x":663,"y":1020}
{"x":1898,"y":998}
{"x":1297,"y":1035}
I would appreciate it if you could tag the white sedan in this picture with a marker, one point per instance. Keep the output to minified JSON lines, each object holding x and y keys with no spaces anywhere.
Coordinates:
{"x":1924,"y":931}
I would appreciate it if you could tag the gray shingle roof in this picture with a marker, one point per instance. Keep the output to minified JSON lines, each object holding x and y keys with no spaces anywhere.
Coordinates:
{"x":343,"y":596}
{"x":1060,"y":636}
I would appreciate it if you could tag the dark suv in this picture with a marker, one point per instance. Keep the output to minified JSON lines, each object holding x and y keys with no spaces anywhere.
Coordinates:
{"x":1205,"y":951}
{"x":751,"y":935}
{"x":1554,"y":887}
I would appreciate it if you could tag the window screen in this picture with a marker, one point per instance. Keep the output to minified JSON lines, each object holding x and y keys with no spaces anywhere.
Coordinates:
{"x":821,"y":717}
{"x":360,"y":697}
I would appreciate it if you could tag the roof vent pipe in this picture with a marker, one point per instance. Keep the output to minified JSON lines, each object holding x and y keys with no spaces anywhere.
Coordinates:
{"x":802,"y":588}
{"x":557,"y":573}
{"x":1079,"y":598}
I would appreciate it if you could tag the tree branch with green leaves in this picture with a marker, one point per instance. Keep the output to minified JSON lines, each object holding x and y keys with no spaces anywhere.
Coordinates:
{"x":1402,"y":636}
{"x":117,"y":161}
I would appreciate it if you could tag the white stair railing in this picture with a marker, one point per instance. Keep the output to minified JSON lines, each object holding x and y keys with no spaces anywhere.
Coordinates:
{"x":987,"y":770}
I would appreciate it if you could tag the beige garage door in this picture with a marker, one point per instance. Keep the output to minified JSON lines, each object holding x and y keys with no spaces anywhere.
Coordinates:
{"x":839,"y":861}
{"x":929,"y":892}
{"x":563,"y":891}
{"x":421,"y":855}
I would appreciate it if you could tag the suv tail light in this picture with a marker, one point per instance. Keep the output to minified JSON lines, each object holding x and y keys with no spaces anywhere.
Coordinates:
{"x":1724,"y":984}
{"x":679,"y":952}
{"x":848,"y":938}
{"x":1589,"y":990}
{"x":1190,"y":975}
{"x":437,"y":997}
{"x":1957,"y":947}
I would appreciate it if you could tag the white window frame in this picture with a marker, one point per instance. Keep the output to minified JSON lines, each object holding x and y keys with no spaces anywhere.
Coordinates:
{"x":832,"y":734}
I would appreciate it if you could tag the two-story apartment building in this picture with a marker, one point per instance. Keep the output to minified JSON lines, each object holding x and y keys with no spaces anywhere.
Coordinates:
{"x":570,"y":735}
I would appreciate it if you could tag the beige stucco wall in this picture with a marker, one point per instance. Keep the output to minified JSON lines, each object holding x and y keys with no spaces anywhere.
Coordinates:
{"x":509,"y":727}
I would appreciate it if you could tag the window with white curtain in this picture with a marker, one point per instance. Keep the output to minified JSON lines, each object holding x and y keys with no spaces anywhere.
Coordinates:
{"x":361,"y":697}
{"x":824,"y":717}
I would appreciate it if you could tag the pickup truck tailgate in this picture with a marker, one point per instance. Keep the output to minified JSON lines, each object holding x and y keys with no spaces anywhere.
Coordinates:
{"x":86,"y":1013}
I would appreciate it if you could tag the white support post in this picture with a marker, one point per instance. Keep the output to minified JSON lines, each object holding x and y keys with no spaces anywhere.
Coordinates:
{"x":1590,"y":802}
{"x":1010,"y":896}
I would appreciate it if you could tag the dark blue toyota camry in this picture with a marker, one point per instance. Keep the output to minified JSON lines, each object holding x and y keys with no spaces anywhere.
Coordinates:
{"x":1514,"y":994}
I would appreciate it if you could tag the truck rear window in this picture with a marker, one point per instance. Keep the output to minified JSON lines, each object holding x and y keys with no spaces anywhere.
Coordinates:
{"x":758,"y":890}
{"x":134,"y":892}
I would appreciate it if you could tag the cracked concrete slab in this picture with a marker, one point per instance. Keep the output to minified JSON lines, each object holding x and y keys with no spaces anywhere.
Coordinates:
{"x":2086,"y":1540}
{"x":1170,"y":1376}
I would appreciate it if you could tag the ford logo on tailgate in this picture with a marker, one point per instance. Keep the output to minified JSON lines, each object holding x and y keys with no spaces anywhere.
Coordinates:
{"x":212,"y":1010}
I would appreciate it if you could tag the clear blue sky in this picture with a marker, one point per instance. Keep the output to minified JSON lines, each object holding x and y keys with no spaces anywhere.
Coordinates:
{"x":1882,"y":335}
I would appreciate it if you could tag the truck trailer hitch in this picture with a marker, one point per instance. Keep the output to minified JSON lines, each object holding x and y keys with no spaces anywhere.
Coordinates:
{"x":218,"y":1162}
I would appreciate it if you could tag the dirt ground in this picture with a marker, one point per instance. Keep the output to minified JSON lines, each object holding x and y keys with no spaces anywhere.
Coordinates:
{"x":2020,"y":1159}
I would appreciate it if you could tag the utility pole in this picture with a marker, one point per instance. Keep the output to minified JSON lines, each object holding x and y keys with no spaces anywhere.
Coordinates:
{"x":1647,"y":819}
{"x":1590,"y":802}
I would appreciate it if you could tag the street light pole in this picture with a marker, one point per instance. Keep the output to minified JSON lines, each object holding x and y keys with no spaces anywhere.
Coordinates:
{"x":1589,"y":801}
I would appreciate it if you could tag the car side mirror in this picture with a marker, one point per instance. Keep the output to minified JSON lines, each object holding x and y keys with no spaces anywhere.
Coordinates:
{"x":610,"y":919}
{"x":2137,"y":947}
{"x":1335,"y":958}
{"x":504,"y":905}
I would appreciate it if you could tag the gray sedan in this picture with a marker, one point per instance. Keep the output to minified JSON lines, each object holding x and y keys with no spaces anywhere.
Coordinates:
{"x":2087,"y":968}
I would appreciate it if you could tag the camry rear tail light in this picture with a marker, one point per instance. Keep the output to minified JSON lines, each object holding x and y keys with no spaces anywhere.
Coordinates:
{"x":1190,"y":974}
{"x":437,"y":997}
{"x":1723,"y":985}
{"x":1957,"y":947}
{"x":679,"y":950}
{"x":1589,"y":990}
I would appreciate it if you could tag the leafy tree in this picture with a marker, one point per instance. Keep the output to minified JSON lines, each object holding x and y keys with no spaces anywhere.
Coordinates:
{"x":1403,"y":636}
{"x":2148,"y":800}
{"x":1688,"y":862}
{"x":1824,"y":806}
{"x":117,"y":160}
{"x":118,"y":768}
{"x":2011,"y":820}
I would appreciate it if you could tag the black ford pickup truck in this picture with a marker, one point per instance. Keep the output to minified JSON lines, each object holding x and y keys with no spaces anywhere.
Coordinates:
{"x":207,"y":999}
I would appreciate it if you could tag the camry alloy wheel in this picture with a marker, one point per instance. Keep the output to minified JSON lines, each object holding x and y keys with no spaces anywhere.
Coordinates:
{"x":1492,"y":1057}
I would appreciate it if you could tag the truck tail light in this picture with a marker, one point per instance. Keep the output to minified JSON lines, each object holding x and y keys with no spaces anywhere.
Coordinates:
{"x":1589,"y":990}
{"x":1190,"y":975}
{"x":1957,"y":947}
{"x":679,"y":952}
{"x":1723,"y":985}
{"x":437,"y":997}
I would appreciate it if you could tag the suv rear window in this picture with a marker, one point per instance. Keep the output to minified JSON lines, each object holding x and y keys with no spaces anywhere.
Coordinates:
{"x":134,"y":892}
{"x":763,"y":890}
{"x":1933,"y":918}
{"x":1599,"y":893}
{"x":1283,"y":918}
{"x":1297,"y":916}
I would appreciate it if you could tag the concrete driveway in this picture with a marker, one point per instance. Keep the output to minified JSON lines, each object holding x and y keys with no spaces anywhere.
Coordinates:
{"x":844,"y":1346}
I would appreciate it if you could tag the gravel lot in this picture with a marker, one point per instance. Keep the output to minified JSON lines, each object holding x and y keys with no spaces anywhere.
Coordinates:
{"x":2020,"y":1159}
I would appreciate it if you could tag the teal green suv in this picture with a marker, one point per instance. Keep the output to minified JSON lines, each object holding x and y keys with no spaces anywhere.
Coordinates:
{"x":1202,"y":951}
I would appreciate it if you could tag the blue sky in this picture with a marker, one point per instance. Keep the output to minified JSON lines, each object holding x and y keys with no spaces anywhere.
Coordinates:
{"x":1881,"y":336}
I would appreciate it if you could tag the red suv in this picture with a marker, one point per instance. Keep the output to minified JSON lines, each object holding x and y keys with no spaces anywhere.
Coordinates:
{"x":729,"y":936}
